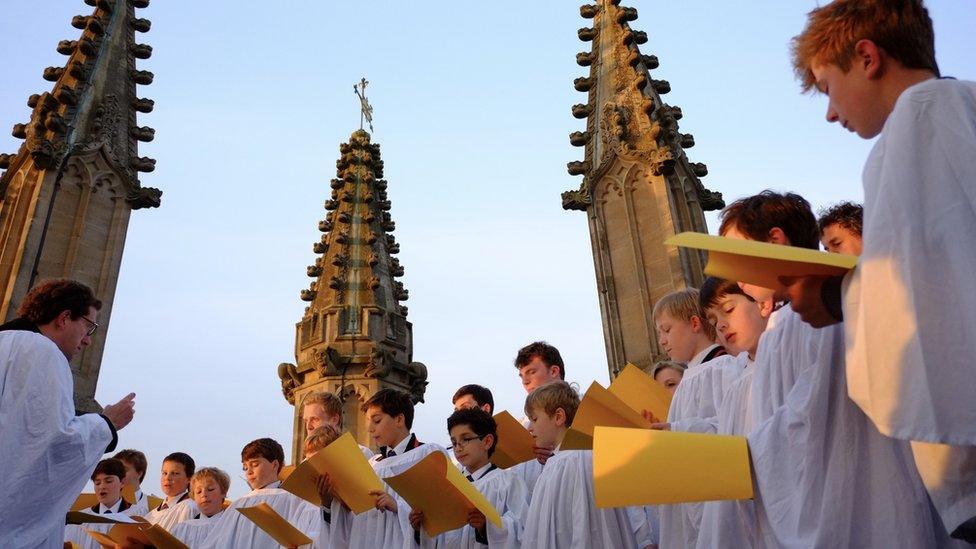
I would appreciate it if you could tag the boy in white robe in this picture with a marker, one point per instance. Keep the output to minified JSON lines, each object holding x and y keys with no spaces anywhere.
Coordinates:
{"x":315,"y":441}
{"x":209,"y":486}
{"x":389,"y":416}
{"x":823,"y":475}
{"x":107,"y":480}
{"x":45,"y":443}
{"x":562,"y":511}
{"x":908,"y":306}
{"x":473,"y":437}
{"x":174,"y":481}
{"x":135,"y":472}
{"x":841,"y":228}
{"x":324,"y":408}
{"x":262,"y":459}
{"x":687,"y":337}
{"x":740,"y":321}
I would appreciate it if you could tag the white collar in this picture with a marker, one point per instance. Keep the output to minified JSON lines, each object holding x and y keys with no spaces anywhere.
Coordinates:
{"x":401,"y":446}
{"x":697,"y":359}
{"x":481,"y":472}
{"x":113,"y":509}
{"x":275,"y":484}
{"x":171,"y":501}
{"x":139,"y":494}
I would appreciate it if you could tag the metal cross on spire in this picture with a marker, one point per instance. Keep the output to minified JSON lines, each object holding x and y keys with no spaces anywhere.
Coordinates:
{"x":365,"y":109}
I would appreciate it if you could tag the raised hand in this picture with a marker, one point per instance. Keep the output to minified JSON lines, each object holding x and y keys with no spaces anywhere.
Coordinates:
{"x":122,"y":412}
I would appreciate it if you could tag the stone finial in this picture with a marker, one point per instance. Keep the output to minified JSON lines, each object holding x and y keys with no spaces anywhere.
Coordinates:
{"x":581,"y":110}
{"x":141,"y":51}
{"x":583,"y":84}
{"x":143,"y":105}
{"x":578,"y":167}
{"x":141,"y":25}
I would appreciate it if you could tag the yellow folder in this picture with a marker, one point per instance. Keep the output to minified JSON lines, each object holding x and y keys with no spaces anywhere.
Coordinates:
{"x":576,"y":440}
{"x":84,"y":501}
{"x":119,"y":534}
{"x":515,"y":443}
{"x":286,"y":472}
{"x":646,"y":467}
{"x":103,"y":539}
{"x":88,"y":517}
{"x":162,"y":539}
{"x":437,"y":488}
{"x":601,"y":407}
{"x":153,"y":501}
{"x":275,"y":525}
{"x":761,"y":263}
{"x":639,"y":391}
{"x":349,"y":470}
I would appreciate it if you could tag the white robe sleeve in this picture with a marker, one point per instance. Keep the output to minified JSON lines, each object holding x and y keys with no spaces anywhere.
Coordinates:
{"x":44,"y":443}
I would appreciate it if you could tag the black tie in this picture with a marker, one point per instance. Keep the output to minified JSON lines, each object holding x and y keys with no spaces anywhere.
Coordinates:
{"x":470,"y":478}
{"x":390,"y":453}
{"x":162,"y":506}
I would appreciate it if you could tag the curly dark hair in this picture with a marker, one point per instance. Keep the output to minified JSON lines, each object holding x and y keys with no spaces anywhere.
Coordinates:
{"x":756,"y":215}
{"x":268,"y":448}
{"x":44,"y":302}
{"x":393,"y":403}
{"x":849,"y":215}
{"x":547,"y":353}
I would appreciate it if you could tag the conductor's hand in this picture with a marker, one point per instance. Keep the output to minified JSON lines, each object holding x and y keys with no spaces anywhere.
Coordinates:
{"x":120,"y":413}
{"x":416,"y":519}
{"x":806,"y":298}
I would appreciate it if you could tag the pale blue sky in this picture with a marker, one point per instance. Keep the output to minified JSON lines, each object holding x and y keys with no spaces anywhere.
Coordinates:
{"x":472,"y":106}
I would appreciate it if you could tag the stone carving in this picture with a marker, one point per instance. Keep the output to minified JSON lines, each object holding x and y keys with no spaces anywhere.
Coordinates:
{"x":141,"y":51}
{"x":380,"y":364}
{"x":290,"y":380}
{"x":418,"y":383}
{"x":144,"y":197}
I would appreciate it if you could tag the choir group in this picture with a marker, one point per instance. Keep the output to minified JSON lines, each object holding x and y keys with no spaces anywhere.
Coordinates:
{"x":854,"y":392}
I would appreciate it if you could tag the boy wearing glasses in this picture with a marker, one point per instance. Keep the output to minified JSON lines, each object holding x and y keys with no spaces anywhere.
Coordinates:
{"x":473,"y":438}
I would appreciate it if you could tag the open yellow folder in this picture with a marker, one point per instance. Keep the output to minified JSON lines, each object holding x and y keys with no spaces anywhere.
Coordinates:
{"x":645,"y":467}
{"x":84,"y":501}
{"x":275,"y":525}
{"x":162,"y":539}
{"x":639,"y":391}
{"x":761,"y":263}
{"x":349,"y":470}
{"x":88,"y":517}
{"x":103,"y":539}
{"x":119,"y":534}
{"x":515,"y":443}
{"x":601,"y":407}
{"x":286,"y":472}
{"x":576,"y":440}
{"x":437,"y":488}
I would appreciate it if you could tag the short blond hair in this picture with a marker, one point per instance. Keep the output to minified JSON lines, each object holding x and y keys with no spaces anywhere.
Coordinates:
{"x":902,"y":28}
{"x":221,"y":478}
{"x":553,"y":396}
{"x":682,"y":305}
{"x":329,"y":402}
{"x":320,"y":438}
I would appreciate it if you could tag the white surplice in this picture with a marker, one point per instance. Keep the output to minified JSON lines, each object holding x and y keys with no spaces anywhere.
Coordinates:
{"x":383,"y":529}
{"x":507,"y":494}
{"x":823,"y":474}
{"x":174,"y":514}
{"x":48,"y":453}
{"x":76,"y":533}
{"x":232,"y":529}
{"x":732,"y":523}
{"x":694,"y":409}
{"x":194,"y":532}
{"x":910,"y":307}
{"x":528,"y":472}
{"x":563,"y":513}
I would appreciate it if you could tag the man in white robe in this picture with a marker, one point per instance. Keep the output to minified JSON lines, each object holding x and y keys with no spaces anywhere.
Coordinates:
{"x":909,"y":306}
{"x":48,"y":452}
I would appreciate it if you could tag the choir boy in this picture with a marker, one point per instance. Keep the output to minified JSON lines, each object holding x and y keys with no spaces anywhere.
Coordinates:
{"x":473,"y":437}
{"x":209,"y":486}
{"x":908,"y":307}
{"x":841,"y":228}
{"x":136,"y":466}
{"x":261,"y":460}
{"x":562,"y":511}
{"x":824,"y":476}
{"x":174,"y":481}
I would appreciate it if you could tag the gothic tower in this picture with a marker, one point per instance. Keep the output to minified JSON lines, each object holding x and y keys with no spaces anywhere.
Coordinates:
{"x":638,"y":185}
{"x":354,"y":338}
{"x":66,"y":195}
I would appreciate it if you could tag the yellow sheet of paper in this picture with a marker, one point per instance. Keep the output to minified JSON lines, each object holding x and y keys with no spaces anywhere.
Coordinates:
{"x":286,"y":472}
{"x":437,"y":488}
{"x":88,"y":517}
{"x":645,"y":467}
{"x":576,"y":440}
{"x":102,"y":539}
{"x":760,"y":263}
{"x":639,"y":391}
{"x":515,"y":442}
{"x":84,"y":501}
{"x":154,"y":502}
{"x":162,"y":539}
{"x":275,"y":525}
{"x":120,"y":532}
{"x":601,"y":407}
{"x":129,"y":493}
{"x":349,"y":470}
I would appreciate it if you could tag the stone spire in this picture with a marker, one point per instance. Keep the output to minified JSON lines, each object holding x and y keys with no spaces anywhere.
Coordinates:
{"x":66,"y":194}
{"x":638,"y":185}
{"x":354,"y":337}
